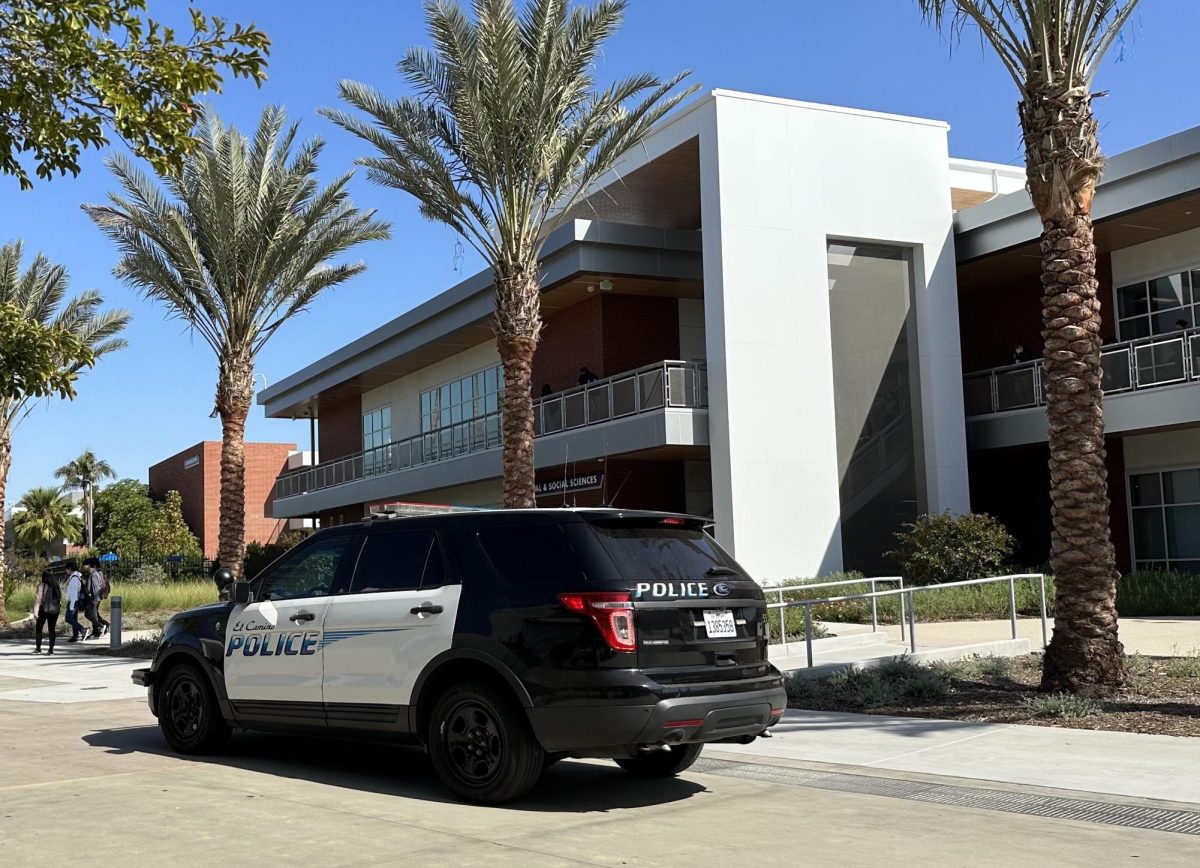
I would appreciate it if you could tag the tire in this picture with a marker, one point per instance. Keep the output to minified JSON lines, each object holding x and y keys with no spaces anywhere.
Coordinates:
{"x":664,"y":763}
{"x":481,"y":745}
{"x":188,"y":714}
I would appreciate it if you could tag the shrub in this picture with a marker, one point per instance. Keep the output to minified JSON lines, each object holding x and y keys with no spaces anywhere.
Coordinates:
{"x":1184,"y":667}
{"x":942,"y":547}
{"x":1063,"y":705}
{"x":895,"y":682}
{"x":148,"y":574}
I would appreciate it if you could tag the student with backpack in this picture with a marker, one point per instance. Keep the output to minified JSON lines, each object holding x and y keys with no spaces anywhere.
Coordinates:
{"x":97,"y":589}
{"x":46,"y":604}
{"x":71,"y":613}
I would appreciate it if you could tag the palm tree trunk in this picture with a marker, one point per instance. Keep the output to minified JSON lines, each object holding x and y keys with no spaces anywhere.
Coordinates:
{"x":1063,"y":161}
{"x":235,"y":389}
{"x":517,"y":326}
{"x":88,"y":512}
{"x":5,"y":463}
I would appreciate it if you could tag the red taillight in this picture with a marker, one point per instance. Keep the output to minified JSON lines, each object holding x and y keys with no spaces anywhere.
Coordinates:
{"x":674,"y":522}
{"x":612,"y":613}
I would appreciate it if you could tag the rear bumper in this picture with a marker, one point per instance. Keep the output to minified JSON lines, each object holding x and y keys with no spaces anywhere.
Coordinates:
{"x":679,"y":720}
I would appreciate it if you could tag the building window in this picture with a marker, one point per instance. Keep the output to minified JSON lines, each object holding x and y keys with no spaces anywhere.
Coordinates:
{"x":1157,"y":307}
{"x":377,"y":428}
{"x":1165,"y":507}
{"x":191,"y":461}
{"x":463,"y":415}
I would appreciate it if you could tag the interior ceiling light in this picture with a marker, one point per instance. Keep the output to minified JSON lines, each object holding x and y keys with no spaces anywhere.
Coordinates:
{"x":606,"y":285}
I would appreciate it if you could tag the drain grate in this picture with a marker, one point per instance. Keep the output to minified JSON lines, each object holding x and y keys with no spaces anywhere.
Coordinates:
{"x":1054,"y":807}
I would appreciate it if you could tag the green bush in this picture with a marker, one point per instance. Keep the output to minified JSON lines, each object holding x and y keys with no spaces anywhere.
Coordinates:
{"x":148,"y":574}
{"x":893,"y":683}
{"x":941,"y":548}
{"x":1063,"y":705}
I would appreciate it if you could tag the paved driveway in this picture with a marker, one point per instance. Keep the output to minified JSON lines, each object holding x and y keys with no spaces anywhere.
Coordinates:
{"x":272,"y":800}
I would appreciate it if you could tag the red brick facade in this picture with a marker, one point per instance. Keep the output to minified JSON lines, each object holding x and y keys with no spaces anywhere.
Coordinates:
{"x":629,"y":483}
{"x":339,"y":431}
{"x":196,"y":474}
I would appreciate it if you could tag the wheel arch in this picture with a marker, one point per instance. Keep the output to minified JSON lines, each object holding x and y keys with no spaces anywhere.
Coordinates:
{"x":459,"y":664}
{"x":184,"y":655}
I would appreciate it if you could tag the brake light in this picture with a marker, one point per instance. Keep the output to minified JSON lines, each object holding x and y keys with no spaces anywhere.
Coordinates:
{"x":674,"y":522}
{"x":612,"y":613}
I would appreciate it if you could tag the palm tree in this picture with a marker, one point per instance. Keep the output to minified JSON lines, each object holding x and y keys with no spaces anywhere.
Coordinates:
{"x":48,"y":517}
{"x":39,"y":292}
{"x":1052,"y":49}
{"x":506,"y":131}
{"x":83,"y":474}
{"x":238,"y":244}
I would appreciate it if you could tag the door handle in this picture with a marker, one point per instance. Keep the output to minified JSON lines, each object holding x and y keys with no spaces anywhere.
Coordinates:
{"x":426,"y":609}
{"x":302,"y":616}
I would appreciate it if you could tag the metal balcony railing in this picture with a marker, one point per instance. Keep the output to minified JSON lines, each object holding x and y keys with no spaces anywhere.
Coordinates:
{"x":653,"y":387}
{"x":1145,"y":363}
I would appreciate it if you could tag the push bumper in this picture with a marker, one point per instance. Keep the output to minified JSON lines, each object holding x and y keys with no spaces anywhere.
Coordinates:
{"x":145,"y":678}
{"x":679,"y":720}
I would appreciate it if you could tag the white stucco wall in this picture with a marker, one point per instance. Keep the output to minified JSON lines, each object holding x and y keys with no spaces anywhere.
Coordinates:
{"x":1162,"y":450}
{"x":778,"y":179}
{"x":1155,"y":258}
{"x":404,"y":394}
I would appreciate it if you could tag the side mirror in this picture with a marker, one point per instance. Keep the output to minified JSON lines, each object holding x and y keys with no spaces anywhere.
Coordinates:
{"x":241,"y":593}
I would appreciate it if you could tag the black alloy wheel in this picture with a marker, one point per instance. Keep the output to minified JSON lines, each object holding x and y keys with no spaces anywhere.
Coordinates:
{"x":481,"y":745}
{"x":188,"y":714}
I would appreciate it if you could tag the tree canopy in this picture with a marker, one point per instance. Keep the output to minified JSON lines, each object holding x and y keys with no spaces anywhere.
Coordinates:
{"x":36,"y":359}
{"x":72,"y":69}
{"x":45,"y":516}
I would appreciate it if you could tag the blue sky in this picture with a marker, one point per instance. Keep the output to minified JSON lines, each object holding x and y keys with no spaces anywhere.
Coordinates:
{"x":154,"y":399}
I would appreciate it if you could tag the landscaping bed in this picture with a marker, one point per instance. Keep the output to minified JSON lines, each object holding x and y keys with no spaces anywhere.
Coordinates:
{"x":1163,"y":696}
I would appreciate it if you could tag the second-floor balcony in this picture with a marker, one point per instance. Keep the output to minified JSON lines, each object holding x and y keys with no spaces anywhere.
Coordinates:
{"x":651,"y":389}
{"x":1131,"y":366}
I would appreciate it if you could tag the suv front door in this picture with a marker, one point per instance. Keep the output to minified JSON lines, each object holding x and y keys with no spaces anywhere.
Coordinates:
{"x":273,"y":647}
{"x":397,"y":614}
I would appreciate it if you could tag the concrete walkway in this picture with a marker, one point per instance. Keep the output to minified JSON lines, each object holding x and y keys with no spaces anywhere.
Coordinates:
{"x":70,"y":675}
{"x":1115,"y":763}
{"x":1155,"y":637}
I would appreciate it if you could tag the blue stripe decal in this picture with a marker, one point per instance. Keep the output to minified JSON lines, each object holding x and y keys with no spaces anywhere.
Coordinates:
{"x":332,"y":636}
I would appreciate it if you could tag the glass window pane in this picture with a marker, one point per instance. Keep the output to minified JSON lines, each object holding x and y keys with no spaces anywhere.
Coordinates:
{"x":1181,"y":486}
{"x":1145,"y":490}
{"x":533,"y":554}
{"x":425,"y":407}
{"x":386,"y":417}
{"x":392,"y":562}
{"x":1138,"y":327}
{"x":1148,"y":540}
{"x":1183,"y":531}
{"x":1172,"y":321}
{"x":1131,"y":300}
{"x":1186,"y":566}
{"x":444,"y":397}
{"x":1166,"y":292}
{"x":307,"y":573}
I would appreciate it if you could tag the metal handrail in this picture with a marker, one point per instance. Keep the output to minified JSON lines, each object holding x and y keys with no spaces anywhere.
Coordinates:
{"x":841,"y":583}
{"x":1176,"y":356}
{"x":651,"y":387}
{"x":909,"y":592}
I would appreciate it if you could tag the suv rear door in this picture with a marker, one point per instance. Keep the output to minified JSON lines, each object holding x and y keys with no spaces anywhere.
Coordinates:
{"x":694,"y":605}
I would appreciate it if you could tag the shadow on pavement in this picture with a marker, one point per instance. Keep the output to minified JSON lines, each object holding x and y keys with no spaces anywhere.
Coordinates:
{"x":400,"y":770}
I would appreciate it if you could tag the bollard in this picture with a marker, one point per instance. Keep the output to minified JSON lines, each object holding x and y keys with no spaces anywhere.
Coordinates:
{"x":114,"y":622}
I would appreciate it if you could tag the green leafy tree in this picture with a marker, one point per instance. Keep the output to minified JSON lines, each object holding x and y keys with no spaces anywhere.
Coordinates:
{"x":125,"y":517}
{"x":83,"y":474}
{"x":70,"y":69}
{"x":240,"y":243}
{"x":1052,"y":49}
{"x":170,"y":534}
{"x":38,"y":360}
{"x":505,"y":131}
{"x":45,"y":516}
{"x":38,"y":293}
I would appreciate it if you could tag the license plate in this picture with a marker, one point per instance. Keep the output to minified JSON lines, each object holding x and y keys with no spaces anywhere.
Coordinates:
{"x":719,"y":624}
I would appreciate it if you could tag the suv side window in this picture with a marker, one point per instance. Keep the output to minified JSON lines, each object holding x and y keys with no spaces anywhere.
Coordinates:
{"x":532,"y":554}
{"x":307,"y":572}
{"x":398,"y":561}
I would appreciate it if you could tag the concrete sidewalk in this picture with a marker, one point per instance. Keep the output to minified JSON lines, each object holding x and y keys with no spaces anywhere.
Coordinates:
{"x":1116,"y":763}
{"x":70,"y":675}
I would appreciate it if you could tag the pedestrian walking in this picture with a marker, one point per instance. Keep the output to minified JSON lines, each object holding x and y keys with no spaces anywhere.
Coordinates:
{"x":97,"y":587}
{"x":74,"y":582}
{"x":46,"y":603}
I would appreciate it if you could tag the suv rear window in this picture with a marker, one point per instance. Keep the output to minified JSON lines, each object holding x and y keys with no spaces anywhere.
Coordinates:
{"x":532,"y":554}
{"x":657,"y":552}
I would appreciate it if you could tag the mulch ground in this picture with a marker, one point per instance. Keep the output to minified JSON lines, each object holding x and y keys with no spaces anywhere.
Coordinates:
{"x":1154,"y":702}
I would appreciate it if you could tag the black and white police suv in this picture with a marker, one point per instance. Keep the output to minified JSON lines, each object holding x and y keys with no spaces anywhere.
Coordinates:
{"x":501,"y":640}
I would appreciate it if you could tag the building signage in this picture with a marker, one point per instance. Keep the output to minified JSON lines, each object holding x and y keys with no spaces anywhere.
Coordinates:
{"x":570,"y":485}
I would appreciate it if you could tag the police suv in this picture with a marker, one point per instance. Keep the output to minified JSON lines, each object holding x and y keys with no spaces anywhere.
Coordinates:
{"x":501,"y":640}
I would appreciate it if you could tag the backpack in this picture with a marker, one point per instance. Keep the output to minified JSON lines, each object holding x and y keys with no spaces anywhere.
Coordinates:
{"x":102,"y":584}
{"x":53,"y":599}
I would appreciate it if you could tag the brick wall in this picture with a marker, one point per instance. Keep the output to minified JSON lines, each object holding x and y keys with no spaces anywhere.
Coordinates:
{"x":994,"y":320}
{"x":339,"y":430}
{"x":1118,"y":512}
{"x":199,"y":487}
{"x":608,"y":333}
